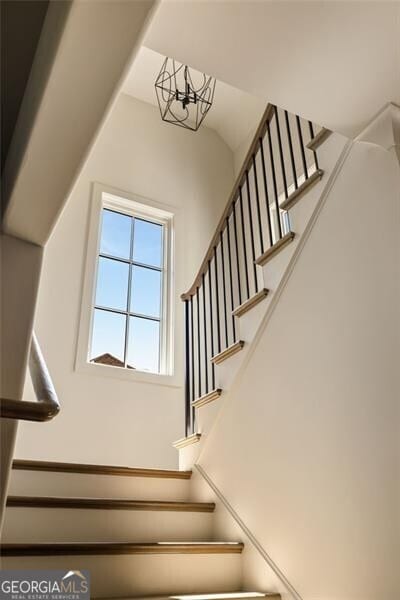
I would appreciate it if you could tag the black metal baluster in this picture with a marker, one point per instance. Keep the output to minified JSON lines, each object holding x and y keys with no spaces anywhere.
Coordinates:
{"x":253,"y":250}
{"x":211,"y":324}
{"x":187,"y":373}
{"x":198,"y":343}
{"x":292,"y":161}
{"x":237,"y":253}
{"x":217,"y":300}
{"x":271,"y":239}
{"x":271,"y":155}
{"x":303,"y":156}
{"x":192,"y":345}
{"x":221,"y":237}
{"x":231,"y":279}
{"x":278,"y":131}
{"x":205,"y":336}
{"x":258,"y":205}
{"x":310,"y":125}
{"x":246,"y":270}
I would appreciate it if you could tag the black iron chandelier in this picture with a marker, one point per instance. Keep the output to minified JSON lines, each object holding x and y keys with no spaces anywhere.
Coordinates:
{"x":184,"y":97}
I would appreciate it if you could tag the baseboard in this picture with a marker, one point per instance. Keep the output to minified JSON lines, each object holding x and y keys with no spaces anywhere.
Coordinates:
{"x":291,"y":591}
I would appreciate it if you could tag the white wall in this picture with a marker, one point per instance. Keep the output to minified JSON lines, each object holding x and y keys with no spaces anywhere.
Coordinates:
{"x":106,"y":419}
{"x":305,"y":447}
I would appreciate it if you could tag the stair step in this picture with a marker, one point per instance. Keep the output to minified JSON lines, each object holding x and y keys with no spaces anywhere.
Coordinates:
{"x":319,"y":139}
{"x":50,"y":520}
{"x":107,"y":548}
{"x":137,"y":570}
{"x":187,"y":441}
{"x":228,"y":352}
{"x":250,"y":303}
{"x":206,"y":398}
{"x":275,"y":249}
{"x":62,"y":467}
{"x":302,"y":189}
{"x":107,"y":504}
{"x":40,"y":478}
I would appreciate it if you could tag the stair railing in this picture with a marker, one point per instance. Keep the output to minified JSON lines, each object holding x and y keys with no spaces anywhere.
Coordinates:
{"x":254,"y":221}
{"x":47,"y":405}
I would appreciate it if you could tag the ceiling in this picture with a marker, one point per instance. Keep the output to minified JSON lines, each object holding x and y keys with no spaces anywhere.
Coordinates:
{"x":233,"y":115}
{"x":335,"y":63}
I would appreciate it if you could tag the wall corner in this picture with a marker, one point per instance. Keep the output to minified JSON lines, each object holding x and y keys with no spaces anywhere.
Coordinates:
{"x":384,"y":129}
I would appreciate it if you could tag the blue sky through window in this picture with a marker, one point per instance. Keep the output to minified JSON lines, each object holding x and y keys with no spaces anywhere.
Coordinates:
{"x":116,"y":234}
{"x":108,"y":334}
{"x":146,"y":291}
{"x":112,"y":283}
{"x":147,"y":243}
{"x":128,"y":329}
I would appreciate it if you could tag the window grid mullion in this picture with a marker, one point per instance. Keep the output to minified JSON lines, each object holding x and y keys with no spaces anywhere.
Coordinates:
{"x":130,"y":262}
{"x":128,"y":300}
{"x":117,"y":311}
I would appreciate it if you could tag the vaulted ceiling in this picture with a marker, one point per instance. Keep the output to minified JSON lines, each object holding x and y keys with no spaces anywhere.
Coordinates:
{"x":336,"y":63}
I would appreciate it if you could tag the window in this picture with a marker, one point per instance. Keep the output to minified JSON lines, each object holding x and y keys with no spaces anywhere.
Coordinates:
{"x":130,"y":313}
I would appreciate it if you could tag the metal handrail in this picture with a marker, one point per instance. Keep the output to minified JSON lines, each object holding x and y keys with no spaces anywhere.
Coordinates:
{"x":47,"y":405}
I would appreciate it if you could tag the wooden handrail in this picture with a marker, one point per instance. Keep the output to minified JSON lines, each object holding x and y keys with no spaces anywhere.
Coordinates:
{"x":47,"y":405}
{"x":268,"y":114}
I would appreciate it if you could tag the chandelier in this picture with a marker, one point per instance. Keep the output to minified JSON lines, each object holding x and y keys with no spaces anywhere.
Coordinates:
{"x":184,"y":96}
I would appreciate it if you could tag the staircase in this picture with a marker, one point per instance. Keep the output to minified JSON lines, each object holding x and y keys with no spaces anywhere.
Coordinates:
{"x":141,"y":532}
{"x":276,"y":195}
{"x":135,"y":530}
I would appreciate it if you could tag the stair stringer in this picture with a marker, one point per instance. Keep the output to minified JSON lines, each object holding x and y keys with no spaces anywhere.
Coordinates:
{"x":331,"y":156}
{"x":259,"y":572}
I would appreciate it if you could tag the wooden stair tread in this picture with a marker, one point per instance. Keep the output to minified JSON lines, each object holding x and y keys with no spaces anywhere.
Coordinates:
{"x":207,"y":398}
{"x":275,"y":249}
{"x":63,"y":467}
{"x":250,"y":303}
{"x":107,"y":548}
{"x":302,"y":189}
{"x":107,"y":504}
{"x":187,"y":441}
{"x":319,"y":139}
{"x":228,"y":352}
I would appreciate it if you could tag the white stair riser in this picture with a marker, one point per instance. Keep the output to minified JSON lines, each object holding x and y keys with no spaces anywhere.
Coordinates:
{"x":47,"y":483}
{"x":226,"y":371}
{"x":189,"y":454}
{"x":249,"y":322}
{"x":147,"y":575}
{"x":97,"y":525}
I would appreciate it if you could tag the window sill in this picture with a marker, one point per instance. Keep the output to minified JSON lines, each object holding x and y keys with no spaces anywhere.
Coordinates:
{"x":131,"y":375}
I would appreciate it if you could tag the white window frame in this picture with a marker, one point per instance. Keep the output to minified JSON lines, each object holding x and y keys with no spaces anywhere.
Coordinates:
{"x":106,"y":197}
